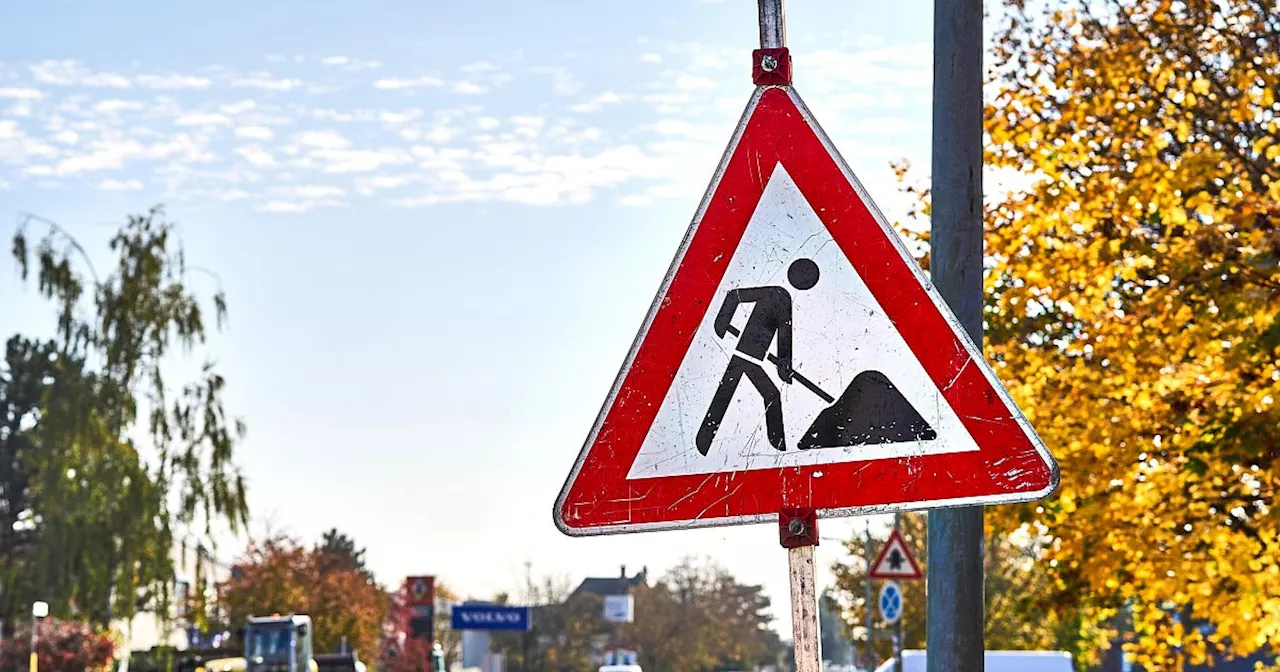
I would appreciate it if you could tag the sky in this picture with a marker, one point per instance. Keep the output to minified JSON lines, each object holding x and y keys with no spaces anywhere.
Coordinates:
{"x":438,"y":225}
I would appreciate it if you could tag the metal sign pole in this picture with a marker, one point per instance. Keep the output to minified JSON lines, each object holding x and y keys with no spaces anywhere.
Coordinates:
{"x":871,"y":619}
{"x":897,"y":640}
{"x":773,"y":28}
{"x":955,"y":604}
{"x":798,"y":529}
{"x":798,"y":533}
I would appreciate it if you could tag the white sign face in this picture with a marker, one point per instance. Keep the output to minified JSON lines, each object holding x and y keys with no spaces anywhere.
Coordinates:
{"x":890,"y":602}
{"x":857,"y":391}
{"x":619,"y":608}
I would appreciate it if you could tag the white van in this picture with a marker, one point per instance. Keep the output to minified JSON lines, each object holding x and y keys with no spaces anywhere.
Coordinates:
{"x":995,"y":661}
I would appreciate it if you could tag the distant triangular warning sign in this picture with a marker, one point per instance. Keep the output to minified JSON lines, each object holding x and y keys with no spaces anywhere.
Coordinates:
{"x":895,"y":561}
{"x":796,"y":356}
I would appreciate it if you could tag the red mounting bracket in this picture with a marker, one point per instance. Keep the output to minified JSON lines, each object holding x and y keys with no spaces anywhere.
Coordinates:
{"x":797,"y":527}
{"x":771,"y":67}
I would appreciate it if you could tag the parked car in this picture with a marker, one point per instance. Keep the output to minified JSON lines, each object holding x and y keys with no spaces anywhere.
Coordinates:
{"x":995,"y":661}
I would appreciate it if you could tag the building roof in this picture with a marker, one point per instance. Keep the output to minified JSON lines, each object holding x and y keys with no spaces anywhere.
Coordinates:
{"x":615,"y":585}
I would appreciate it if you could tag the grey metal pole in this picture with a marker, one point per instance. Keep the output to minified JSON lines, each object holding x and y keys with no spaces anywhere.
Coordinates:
{"x":897,"y":640}
{"x":955,"y":602}
{"x":773,"y":28}
{"x":871,"y":623}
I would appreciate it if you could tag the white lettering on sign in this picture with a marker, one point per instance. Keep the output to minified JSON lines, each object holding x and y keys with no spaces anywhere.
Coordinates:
{"x":490,"y":617}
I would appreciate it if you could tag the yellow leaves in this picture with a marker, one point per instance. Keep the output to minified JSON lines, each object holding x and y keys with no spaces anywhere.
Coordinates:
{"x":1156,"y":389}
{"x":1183,"y":130}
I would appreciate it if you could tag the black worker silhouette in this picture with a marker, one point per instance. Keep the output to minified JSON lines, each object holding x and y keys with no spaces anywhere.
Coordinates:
{"x":770,"y":318}
{"x":871,"y":410}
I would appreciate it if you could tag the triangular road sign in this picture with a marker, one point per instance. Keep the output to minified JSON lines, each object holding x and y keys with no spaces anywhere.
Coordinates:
{"x":790,"y":272}
{"x":895,"y":561}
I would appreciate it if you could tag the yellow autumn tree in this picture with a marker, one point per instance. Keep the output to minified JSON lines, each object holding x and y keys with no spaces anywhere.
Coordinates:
{"x":1019,"y":593}
{"x":1133,"y":298}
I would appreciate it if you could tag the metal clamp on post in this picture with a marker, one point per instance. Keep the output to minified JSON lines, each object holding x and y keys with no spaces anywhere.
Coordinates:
{"x":797,"y":527}
{"x":771,"y":67}
{"x":771,"y":63}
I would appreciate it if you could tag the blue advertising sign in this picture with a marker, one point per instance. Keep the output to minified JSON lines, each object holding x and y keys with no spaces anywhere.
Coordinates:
{"x":490,"y":617}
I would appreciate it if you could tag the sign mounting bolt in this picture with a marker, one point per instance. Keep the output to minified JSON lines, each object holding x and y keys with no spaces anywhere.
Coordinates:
{"x":769,"y":63}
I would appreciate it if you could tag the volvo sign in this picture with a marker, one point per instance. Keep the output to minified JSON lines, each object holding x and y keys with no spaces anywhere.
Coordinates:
{"x":490,"y":617}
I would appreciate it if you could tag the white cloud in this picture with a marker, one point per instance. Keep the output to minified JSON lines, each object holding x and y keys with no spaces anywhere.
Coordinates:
{"x":113,"y":105}
{"x":202,"y":119}
{"x":262,"y":80}
{"x":899,"y":67}
{"x":349,"y":64}
{"x":310,"y":191}
{"x":300,"y":199}
{"x":234,"y":195}
{"x":713,"y":61}
{"x":332,"y":153}
{"x":17,"y":148}
{"x":71,"y":73}
{"x":174,"y":81}
{"x":118,"y":185}
{"x":426,"y":153}
{"x":322,"y":140}
{"x":3,"y":185}
{"x":285,"y":207}
{"x":256,"y":156}
{"x":420,"y":82}
{"x":694,"y":83}
{"x":21,"y":94}
{"x":596,"y":103}
{"x":238,"y":108}
{"x":113,"y":151}
{"x":368,"y":186}
{"x":562,"y":81}
{"x":360,"y":160}
{"x":254,"y":133}
{"x":528,"y":126}
{"x":398,"y":118}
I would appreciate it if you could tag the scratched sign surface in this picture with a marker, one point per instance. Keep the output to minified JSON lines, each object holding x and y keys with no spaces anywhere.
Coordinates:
{"x":796,"y":356}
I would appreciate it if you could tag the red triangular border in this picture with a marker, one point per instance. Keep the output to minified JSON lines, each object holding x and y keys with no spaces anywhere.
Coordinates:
{"x":1011,"y":465}
{"x":884,"y":550}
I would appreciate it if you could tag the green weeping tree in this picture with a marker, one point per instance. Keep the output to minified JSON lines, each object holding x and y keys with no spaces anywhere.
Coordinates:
{"x":104,"y":461}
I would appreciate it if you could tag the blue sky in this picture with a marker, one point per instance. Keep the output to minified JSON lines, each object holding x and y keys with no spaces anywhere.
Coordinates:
{"x":438,"y":225}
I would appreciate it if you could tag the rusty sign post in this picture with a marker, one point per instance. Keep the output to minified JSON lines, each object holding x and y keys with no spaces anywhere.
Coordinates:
{"x":796,"y":363}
